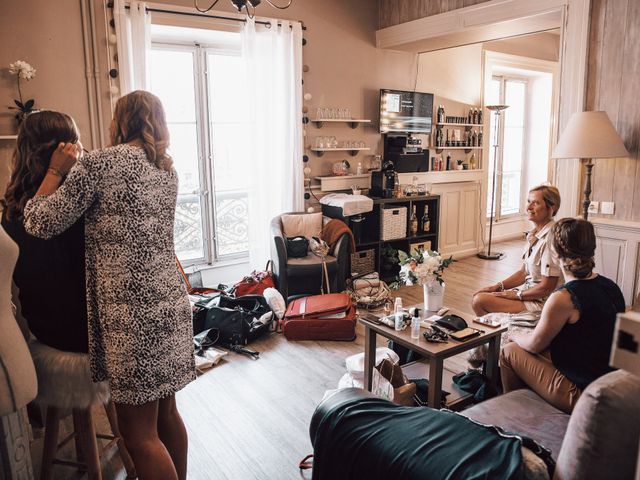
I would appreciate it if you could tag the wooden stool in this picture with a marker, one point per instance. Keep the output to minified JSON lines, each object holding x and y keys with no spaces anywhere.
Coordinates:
{"x":64,"y":383}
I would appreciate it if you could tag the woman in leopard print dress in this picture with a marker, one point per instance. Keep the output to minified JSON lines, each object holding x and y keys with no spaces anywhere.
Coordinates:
{"x":140,"y":330}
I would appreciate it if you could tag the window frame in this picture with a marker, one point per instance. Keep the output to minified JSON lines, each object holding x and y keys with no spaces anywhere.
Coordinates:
{"x":204,"y":135}
{"x":524,"y":168}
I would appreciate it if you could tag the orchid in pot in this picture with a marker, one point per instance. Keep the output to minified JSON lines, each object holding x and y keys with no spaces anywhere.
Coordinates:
{"x":22,"y":70}
{"x":425,"y":267}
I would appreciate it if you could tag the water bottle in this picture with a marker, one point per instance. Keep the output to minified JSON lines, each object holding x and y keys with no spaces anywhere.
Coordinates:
{"x":415,"y":324}
{"x":399,"y":314}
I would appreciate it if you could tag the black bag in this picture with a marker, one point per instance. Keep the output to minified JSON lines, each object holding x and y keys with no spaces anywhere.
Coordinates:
{"x":297,"y":247}
{"x":238,"y":320}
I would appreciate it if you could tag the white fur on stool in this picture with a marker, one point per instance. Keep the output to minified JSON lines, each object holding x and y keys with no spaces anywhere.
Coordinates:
{"x":64,"y":378}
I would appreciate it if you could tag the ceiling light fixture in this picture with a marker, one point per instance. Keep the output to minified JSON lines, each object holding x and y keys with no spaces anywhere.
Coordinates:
{"x":248,"y":5}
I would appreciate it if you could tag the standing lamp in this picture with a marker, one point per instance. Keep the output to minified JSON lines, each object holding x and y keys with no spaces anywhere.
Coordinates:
{"x":587,"y":136}
{"x":497,"y":110}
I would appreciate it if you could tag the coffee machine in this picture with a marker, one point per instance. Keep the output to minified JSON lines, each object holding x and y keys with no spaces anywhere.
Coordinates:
{"x":383,"y":182}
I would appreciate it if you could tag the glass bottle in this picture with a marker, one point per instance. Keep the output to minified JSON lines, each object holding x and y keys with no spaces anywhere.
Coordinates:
{"x":480,"y":139}
{"x":415,"y":324}
{"x":448,"y":161}
{"x":414,"y":222}
{"x":398,"y":314}
{"x":426,"y":222}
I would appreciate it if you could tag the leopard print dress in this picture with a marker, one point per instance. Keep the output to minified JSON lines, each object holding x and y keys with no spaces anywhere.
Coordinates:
{"x":140,"y":330}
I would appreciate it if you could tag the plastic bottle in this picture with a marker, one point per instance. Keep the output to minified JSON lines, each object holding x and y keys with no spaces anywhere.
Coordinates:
{"x":359,"y":169}
{"x":415,"y":324}
{"x":399,"y":314}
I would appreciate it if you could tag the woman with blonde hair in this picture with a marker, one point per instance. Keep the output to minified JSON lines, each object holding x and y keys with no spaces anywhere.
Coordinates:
{"x":528,"y":288}
{"x":140,"y":331}
{"x":571,"y":344}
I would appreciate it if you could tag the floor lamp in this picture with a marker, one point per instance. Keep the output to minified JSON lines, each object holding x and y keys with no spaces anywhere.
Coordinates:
{"x":497,"y":110}
{"x":587,"y":136}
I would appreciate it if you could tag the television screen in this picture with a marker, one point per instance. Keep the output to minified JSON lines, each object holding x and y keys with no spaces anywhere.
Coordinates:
{"x":405,"y":112}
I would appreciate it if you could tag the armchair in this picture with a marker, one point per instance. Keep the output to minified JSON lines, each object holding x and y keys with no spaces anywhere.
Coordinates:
{"x":296,"y":276}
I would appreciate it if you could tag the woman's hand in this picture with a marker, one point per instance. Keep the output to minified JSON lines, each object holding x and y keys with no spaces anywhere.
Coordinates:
{"x":489,"y":289}
{"x":65,"y":157}
{"x":509,"y":294}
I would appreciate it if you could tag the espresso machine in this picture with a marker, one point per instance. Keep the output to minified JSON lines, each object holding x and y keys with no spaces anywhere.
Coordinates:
{"x":383,"y":182}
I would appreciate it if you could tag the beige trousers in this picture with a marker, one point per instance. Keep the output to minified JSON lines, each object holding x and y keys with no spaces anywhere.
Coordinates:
{"x":521,"y":369}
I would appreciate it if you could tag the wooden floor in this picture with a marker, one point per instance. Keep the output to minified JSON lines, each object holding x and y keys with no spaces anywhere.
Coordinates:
{"x":249,"y":419}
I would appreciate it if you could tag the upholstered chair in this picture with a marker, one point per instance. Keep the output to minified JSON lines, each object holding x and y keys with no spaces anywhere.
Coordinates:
{"x":297,"y":276}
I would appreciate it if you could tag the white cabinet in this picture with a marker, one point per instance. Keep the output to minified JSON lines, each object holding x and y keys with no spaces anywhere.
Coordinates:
{"x":459,"y":217}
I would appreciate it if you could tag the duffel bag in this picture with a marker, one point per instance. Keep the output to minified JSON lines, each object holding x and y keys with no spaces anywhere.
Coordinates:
{"x":239,"y":320}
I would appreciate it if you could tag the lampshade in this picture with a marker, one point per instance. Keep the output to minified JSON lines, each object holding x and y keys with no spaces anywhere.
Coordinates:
{"x":589,"y":135}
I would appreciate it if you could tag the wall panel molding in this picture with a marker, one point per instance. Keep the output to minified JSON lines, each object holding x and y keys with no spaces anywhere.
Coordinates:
{"x":618,"y":255}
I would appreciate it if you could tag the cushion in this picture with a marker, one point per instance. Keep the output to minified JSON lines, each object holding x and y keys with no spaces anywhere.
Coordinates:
{"x":305,"y":224}
{"x":602,"y":437}
{"x":525,"y":413}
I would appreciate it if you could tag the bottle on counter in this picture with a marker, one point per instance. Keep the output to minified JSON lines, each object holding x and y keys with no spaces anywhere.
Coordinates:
{"x":448,"y":161}
{"x":398,"y":313}
{"x":413,"y":223}
{"x":426,"y":221}
{"x":472,"y":161}
{"x":415,"y":324}
{"x":359,"y":169}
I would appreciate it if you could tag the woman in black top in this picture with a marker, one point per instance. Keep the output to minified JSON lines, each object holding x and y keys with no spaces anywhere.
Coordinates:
{"x":49,"y":274}
{"x":570,"y":346}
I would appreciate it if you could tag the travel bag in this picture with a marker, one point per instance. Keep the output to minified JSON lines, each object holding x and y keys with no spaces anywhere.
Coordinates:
{"x":320,"y":317}
{"x":238,"y":320}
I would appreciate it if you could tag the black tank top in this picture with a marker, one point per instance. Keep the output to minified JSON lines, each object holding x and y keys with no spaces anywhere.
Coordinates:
{"x":51,"y":281}
{"x":581,"y":350}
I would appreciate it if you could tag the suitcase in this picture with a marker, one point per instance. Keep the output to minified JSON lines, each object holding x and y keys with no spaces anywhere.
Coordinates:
{"x":320,"y":317}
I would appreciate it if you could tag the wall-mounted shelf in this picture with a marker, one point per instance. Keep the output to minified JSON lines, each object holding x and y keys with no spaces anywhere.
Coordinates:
{"x":479,"y":125}
{"x":333,"y":183}
{"x":466,"y":149}
{"x":8,"y":137}
{"x":352,"y":122}
{"x":352,"y":151}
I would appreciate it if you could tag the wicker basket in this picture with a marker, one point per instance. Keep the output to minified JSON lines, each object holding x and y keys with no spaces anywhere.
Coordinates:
{"x":363,"y":262}
{"x":394,"y":223}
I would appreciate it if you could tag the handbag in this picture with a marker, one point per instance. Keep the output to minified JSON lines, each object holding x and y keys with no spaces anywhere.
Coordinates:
{"x":255,"y":283}
{"x":297,"y":247}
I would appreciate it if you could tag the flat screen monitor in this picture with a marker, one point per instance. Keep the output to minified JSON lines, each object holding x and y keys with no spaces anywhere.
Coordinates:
{"x":405,"y":112}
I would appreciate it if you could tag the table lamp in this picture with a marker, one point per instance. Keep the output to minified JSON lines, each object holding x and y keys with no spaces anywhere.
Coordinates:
{"x":587,"y":136}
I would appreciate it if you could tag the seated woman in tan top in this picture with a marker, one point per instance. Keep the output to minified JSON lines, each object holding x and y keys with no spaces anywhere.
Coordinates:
{"x":528,"y":288}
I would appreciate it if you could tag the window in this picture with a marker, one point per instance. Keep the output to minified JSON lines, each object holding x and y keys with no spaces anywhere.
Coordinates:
{"x":201,"y":89}
{"x":511,"y":159}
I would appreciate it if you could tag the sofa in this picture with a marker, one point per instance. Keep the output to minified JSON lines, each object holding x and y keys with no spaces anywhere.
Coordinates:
{"x":599,"y":440}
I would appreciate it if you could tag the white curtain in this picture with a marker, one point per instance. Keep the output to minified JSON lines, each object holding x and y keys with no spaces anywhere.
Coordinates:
{"x":273,"y":68}
{"x":133,"y":33}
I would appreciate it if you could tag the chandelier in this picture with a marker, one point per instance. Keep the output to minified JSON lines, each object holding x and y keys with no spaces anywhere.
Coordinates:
{"x":248,"y":5}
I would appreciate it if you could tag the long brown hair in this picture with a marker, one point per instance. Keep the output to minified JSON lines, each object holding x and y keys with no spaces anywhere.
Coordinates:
{"x":139,"y":115}
{"x":574,"y":240}
{"x":38,"y":136}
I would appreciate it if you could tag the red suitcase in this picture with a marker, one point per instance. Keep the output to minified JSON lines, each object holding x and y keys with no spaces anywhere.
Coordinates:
{"x":320,"y":317}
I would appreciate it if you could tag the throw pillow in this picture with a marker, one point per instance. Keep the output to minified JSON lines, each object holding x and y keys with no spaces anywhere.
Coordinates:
{"x":305,"y":224}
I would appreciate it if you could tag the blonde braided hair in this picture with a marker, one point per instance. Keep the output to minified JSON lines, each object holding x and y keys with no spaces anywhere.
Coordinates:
{"x":574,"y":240}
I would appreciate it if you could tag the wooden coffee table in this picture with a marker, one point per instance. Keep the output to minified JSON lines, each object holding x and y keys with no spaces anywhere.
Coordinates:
{"x":435,"y":353}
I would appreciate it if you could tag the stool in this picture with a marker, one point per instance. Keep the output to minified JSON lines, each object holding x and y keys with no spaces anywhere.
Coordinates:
{"x":64,"y":383}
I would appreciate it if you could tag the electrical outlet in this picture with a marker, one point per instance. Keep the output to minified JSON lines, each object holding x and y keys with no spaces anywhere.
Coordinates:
{"x":593,"y":207}
{"x":608,"y":208}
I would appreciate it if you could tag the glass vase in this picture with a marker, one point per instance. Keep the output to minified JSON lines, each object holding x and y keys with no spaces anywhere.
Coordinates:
{"x":433,"y":295}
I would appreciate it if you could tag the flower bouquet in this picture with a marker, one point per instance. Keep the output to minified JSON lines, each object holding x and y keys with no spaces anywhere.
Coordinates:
{"x":425,"y":268}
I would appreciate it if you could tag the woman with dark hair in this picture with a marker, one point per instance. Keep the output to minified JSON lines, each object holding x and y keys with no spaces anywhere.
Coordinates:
{"x":49,"y":273}
{"x":570,"y":346}
{"x":139,"y":313}
{"x":527,"y":289}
